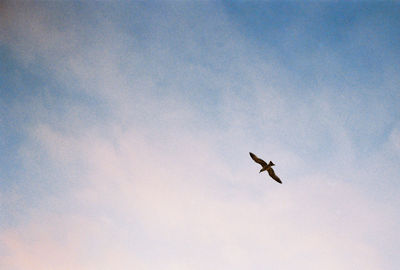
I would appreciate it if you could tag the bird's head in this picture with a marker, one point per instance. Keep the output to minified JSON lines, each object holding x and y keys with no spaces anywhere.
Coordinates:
{"x":271,"y":163}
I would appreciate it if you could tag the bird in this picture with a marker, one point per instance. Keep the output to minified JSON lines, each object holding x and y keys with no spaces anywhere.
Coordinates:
{"x":266,"y":167}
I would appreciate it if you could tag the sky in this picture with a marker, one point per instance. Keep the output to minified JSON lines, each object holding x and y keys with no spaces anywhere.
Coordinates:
{"x":126,"y":127}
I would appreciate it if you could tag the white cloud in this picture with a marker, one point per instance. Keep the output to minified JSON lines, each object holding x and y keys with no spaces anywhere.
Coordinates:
{"x":180,"y":203}
{"x":159,"y":183}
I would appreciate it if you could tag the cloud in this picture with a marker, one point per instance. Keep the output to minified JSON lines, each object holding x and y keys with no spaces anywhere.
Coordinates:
{"x":136,"y":154}
{"x":395,"y":139}
{"x":158,"y":201}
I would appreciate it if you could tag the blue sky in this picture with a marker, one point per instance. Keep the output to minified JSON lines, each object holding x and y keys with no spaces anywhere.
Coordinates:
{"x":125,"y":131}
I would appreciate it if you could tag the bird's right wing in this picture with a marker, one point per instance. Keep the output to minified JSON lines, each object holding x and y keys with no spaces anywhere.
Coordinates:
{"x":258,"y":160}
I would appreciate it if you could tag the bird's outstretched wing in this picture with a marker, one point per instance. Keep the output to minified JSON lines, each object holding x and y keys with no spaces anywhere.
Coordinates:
{"x":273,"y":175}
{"x":258,"y":160}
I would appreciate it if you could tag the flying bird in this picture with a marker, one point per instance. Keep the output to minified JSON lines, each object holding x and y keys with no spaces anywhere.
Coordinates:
{"x":266,"y":167}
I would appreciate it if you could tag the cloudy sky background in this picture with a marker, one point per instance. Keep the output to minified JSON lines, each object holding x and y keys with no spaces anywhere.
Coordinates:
{"x":125,"y":131}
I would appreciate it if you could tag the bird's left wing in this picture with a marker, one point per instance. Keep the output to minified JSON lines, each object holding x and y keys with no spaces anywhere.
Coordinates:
{"x":273,"y":175}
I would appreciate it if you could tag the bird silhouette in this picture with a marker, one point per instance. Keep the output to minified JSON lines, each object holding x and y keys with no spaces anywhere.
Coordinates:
{"x":266,"y":167}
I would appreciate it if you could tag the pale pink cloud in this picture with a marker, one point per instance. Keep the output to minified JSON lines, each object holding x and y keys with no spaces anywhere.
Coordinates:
{"x":190,"y":204}
{"x":150,"y":197}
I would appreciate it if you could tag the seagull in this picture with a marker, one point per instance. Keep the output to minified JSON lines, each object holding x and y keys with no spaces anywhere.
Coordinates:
{"x":266,"y":167}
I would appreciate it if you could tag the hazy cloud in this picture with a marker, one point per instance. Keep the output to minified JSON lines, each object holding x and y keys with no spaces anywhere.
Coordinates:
{"x":135,"y":146}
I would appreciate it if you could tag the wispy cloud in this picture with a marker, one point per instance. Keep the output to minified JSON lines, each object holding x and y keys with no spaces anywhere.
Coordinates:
{"x":136,"y":137}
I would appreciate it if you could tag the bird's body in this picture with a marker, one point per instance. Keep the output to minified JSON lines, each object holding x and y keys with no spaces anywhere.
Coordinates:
{"x":266,"y":167}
